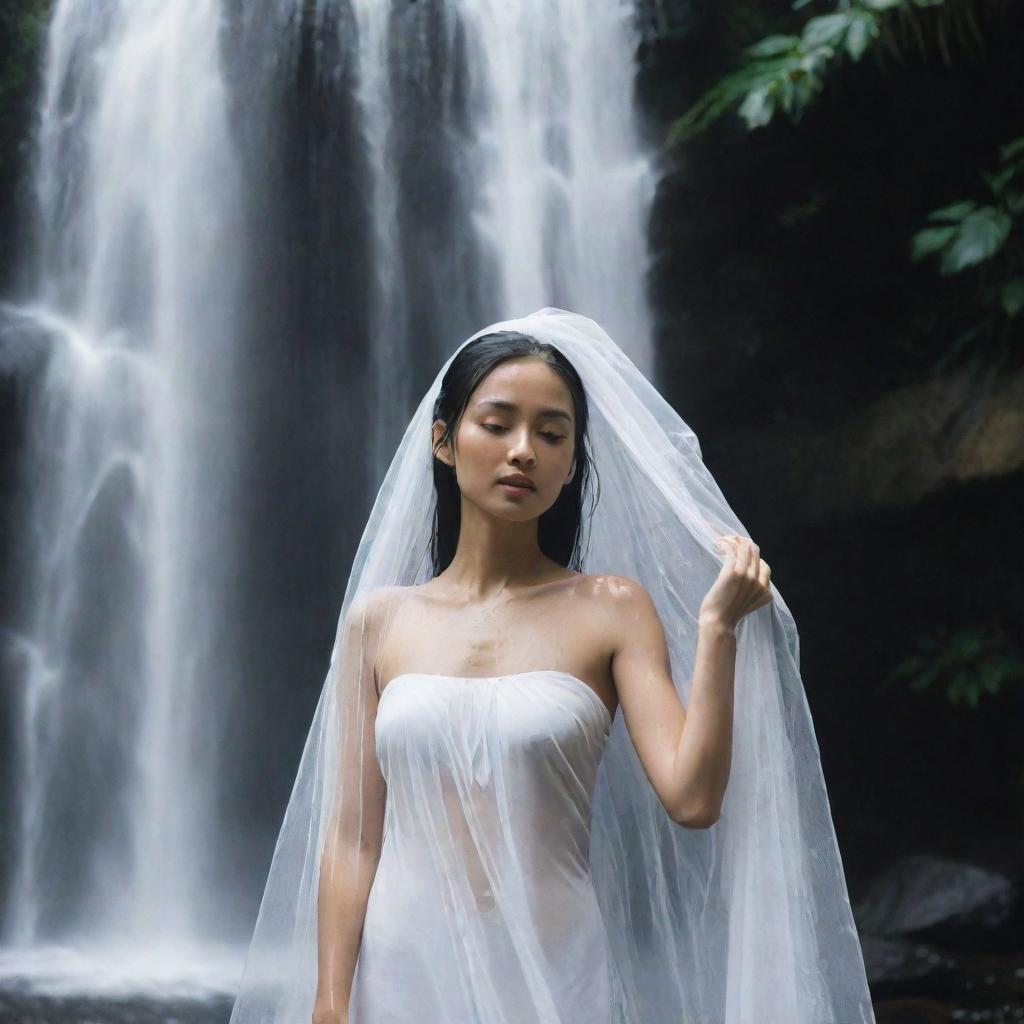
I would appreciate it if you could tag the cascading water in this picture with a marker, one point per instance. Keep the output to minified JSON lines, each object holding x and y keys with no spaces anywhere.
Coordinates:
{"x":529,"y":115}
{"x":257,"y":234}
{"x":130,"y":469}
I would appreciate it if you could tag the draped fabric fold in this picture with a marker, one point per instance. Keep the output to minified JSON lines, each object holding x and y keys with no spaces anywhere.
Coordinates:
{"x":498,"y":786}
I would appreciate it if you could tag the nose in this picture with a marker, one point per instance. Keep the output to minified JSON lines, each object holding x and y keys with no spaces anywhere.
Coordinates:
{"x":522,"y":449}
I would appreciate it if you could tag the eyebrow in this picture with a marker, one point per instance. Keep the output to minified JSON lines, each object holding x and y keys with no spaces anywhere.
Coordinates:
{"x":501,"y":403}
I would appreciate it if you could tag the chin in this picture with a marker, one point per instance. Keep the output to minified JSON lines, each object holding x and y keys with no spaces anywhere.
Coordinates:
{"x":514,"y":515}
{"x":516,"y":510}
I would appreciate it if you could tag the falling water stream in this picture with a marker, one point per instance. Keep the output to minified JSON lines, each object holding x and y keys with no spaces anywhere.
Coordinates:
{"x":255,"y":236}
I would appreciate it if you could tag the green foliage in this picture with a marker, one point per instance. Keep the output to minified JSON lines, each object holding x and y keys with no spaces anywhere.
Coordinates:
{"x":22,"y":35}
{"x":787,"y":72}
{"x":972,"y":233}
{"x":962,"y":666}
{"x":22,"y":28}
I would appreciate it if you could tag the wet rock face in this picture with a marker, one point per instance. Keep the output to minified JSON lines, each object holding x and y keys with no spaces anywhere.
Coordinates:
{"x":901,"y":448}
{"x":953,"y":904}
{"x":943,"y":941}
{"x":28,"y":1008}
{"x":659,"y":20}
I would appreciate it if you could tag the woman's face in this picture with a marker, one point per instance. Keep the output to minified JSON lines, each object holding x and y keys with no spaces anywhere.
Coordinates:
{"x":519,"y":419}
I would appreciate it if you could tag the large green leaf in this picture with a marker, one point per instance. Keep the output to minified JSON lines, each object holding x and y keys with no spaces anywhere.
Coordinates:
{"x":981,"y":235}
{"x":862,"y":28}
{"x":955,"y":211}
{"x":997,"y":182}
{"x":931,"y":240}
{"x":772,"y":46}
{"x":1011,"y":296}
{"x":826,"y":30}
{"x":1012,"y":149}
{"x":759,"y":105}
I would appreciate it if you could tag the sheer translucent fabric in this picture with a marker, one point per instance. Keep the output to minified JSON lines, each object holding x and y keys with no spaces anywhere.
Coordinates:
{"x":464,"y":918}
{"x":527,"y":872}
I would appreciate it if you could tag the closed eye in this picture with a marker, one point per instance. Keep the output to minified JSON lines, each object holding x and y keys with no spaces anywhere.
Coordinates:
{"x":496,"y":428}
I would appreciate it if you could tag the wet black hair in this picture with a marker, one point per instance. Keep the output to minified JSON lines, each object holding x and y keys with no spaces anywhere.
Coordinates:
{"x":560,"y":527}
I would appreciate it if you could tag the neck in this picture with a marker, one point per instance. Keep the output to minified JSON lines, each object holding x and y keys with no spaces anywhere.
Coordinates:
{"x":494,"y":555}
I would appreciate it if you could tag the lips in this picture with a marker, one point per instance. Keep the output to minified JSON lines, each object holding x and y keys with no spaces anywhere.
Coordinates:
{"x":517,"y":481}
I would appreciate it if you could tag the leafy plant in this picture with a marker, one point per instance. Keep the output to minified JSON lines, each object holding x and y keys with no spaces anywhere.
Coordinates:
{"x":22,"y":30}
{"x":984,"y":234}
{"x":962,"y":666}
{"x":786,"y":72}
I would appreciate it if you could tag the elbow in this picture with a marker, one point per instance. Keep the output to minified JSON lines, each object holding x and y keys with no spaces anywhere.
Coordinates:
{"x":697,"y":817}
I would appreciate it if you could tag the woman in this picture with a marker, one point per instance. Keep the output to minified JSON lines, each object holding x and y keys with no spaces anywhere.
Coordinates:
{"x":475,"y":834}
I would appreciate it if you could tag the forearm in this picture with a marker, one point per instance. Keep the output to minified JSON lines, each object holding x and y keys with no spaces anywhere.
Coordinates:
{"x":346,"y":876}
{"x":704,"y":754}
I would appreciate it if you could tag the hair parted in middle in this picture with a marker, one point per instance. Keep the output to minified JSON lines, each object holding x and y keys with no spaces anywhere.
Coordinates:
{"x":560,"y":527}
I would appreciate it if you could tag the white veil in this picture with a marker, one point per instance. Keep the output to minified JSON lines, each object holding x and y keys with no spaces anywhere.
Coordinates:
{"x":745,"y":922}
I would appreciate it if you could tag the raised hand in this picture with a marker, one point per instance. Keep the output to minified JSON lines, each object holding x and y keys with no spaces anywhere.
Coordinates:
{"x":743,"y":584}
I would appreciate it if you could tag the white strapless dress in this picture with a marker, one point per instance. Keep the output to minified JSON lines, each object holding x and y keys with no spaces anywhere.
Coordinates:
{"x":483,"y":909}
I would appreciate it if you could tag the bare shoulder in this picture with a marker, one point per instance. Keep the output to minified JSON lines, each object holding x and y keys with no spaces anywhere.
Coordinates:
{"x":625,"y":609}
{"x":369,"y":609}
{"x":618,"y":594}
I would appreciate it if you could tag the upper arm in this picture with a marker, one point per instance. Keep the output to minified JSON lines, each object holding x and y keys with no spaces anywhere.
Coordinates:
{"x":642,"y":672}
{"x":361,"y":790}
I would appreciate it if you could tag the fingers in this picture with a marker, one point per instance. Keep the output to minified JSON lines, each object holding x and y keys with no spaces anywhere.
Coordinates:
{"x":739,"y":564}
{"x":748,"y":564}
{"x":764,"y":581}
{"x":739,"y":549}
{"x":727,"y":544}
{"x":754,"y":562}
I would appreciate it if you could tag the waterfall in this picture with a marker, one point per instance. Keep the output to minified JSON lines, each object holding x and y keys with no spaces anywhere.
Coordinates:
{"x":257,"y":231}
{"x":529,"y":122}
